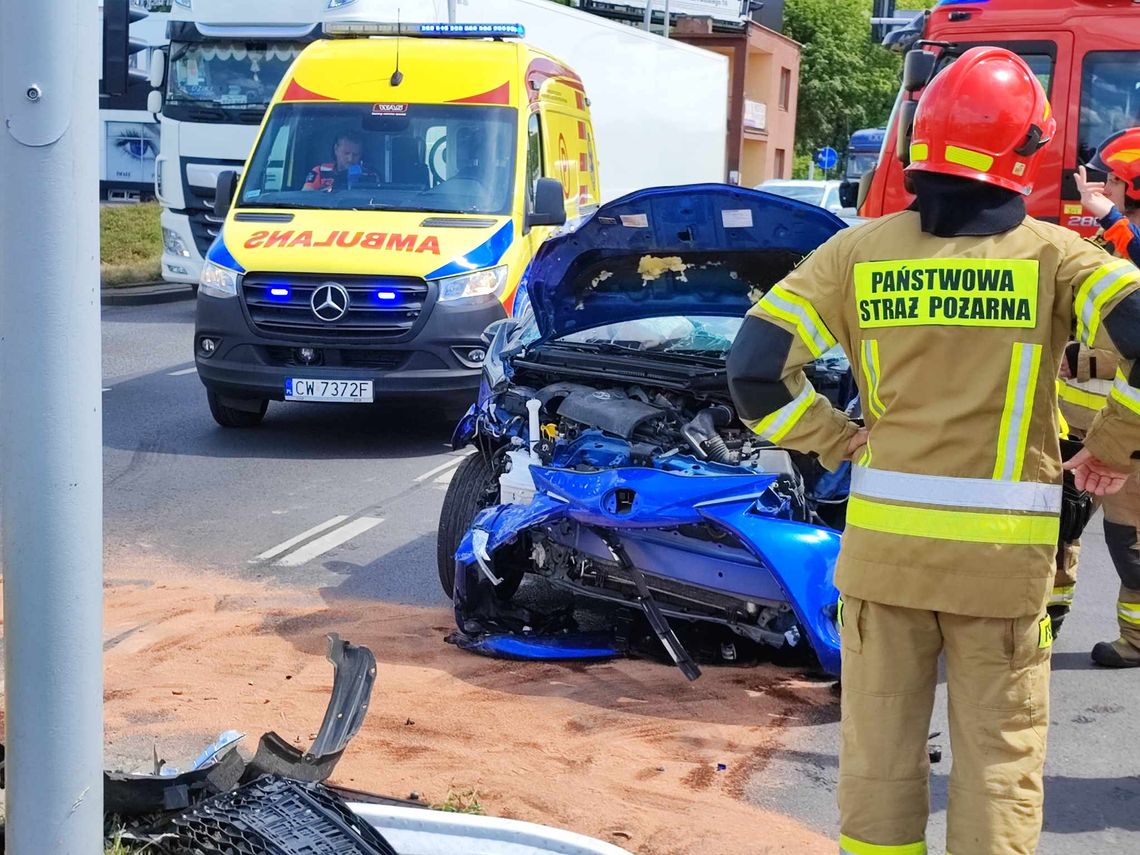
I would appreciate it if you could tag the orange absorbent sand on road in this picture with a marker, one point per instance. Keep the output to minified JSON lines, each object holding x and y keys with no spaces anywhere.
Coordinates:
{"x":626,"y":751}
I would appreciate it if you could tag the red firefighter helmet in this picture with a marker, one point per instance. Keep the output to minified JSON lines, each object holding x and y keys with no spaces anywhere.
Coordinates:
{"x":984,"y":117}
{"x":1120,"y":155}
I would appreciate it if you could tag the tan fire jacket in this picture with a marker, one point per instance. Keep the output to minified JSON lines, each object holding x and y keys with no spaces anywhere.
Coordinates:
{"x":955,"y":344}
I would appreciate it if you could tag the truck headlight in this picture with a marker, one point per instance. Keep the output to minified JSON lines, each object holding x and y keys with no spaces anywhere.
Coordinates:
{"x":174,"y":244}
{"x":477,"y":284}
{"x":217,"y":281}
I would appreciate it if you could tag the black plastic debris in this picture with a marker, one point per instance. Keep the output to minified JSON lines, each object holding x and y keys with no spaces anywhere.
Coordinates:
{"x":271,"y":816}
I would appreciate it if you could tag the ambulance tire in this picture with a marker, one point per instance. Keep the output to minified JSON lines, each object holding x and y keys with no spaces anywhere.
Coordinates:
{"x":473,"y":487}
{"x":232,"y":417}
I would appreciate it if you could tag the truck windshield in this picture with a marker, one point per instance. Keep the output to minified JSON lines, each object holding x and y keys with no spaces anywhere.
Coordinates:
{"x":1110,"y":98}
{"x":438,"y":158}
{"x":860,"y":162}
{"x":215,"y":81}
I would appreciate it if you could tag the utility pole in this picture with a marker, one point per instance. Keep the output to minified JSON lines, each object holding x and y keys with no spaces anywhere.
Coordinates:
{"x":450,"y":11}
{"x":51,"y":476}
{"x":666,"y":32}
{"x":648,"y":15}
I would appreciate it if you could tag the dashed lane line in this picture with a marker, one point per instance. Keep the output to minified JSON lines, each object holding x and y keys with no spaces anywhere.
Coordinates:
{"x":285,"y":546}
{"x":327,"y":542}
{"x":181,"y":373}
{"x":443,"y":467}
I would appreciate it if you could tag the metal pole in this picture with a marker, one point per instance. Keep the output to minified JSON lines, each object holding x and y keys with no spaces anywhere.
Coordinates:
{"x":51,"y":476}
{"x":450,"y":11}
{"x":666,"y":33}
{"x":648,"y":15}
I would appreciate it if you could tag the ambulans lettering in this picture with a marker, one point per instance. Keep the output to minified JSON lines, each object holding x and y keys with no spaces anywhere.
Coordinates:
{"x":947,"y":292}
{"x":394,"y":242}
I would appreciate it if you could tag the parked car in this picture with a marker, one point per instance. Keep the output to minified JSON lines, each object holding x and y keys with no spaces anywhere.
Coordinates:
{"x":611,"y":463}
{"x":825,"y":194}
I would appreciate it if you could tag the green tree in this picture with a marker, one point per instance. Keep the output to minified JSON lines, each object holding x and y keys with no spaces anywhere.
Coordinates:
{"x":846,"y":81}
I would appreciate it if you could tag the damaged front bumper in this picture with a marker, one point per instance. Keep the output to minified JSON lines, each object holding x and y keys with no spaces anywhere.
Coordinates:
{"x":634,"y":521}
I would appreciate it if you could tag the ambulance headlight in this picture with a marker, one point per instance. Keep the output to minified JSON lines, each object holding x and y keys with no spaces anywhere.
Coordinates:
{"x":174,"y":244}
{"x":217,"y":281}
{"x":477,"y":284}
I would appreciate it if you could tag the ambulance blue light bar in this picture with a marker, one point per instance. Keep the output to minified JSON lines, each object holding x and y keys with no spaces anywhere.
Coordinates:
{"x":449,"y":31}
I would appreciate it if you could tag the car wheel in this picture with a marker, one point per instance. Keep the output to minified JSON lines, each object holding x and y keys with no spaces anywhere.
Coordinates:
{"x":232,"y":417}
{"x":473,"y":488}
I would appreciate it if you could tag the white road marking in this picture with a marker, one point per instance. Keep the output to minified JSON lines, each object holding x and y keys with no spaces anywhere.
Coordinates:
{"x":443,"y":467}
{"x":327,"y":542}
{"x":106,"y":388}
{"x":182,"y":372}
{"x":446,"y":477}
{"x":293,"y":541}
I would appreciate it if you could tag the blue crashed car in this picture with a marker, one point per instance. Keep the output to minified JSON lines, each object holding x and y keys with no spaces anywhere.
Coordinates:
{"x":610,"y":461}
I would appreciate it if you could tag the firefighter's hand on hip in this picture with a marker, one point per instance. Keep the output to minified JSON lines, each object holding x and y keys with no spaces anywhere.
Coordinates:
{"x":856,"y":444}
{"x":1093,"y":476}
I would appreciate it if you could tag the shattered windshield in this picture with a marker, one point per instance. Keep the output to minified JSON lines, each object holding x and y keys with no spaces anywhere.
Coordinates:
{"x":676,"y":334}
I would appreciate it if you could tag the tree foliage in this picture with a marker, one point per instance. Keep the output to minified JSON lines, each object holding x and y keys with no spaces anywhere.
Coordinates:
{"x":846,"y":81}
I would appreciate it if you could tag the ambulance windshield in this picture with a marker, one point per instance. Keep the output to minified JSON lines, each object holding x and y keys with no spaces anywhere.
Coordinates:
{"x":434,"y":158}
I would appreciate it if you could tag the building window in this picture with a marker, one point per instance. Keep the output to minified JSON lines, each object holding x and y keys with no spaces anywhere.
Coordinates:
{"x":785,"y":88}
{"x":778,"y":166}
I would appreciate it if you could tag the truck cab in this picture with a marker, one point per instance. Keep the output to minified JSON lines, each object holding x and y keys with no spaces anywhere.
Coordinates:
{"x":397,"y":189}
{"x":1086,"y":53}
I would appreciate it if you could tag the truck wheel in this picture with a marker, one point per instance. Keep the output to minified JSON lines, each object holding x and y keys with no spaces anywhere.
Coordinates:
{"x":232,"y":417}
{"x":473,"y":488}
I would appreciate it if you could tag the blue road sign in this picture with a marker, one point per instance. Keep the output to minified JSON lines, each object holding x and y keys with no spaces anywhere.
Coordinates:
{"x":827,"y":158}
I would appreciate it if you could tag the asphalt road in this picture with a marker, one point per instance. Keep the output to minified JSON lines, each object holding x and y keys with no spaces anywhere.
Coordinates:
{"x":346,"y":499}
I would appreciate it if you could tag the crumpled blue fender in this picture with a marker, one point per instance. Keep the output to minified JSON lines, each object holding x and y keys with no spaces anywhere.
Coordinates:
{"x":801,"y":557}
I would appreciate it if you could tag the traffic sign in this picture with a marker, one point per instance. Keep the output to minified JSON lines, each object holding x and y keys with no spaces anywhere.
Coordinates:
{"x":827,"y":158}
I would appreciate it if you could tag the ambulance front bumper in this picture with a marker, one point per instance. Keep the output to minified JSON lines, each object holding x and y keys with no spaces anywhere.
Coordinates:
{"x":442,"y":359}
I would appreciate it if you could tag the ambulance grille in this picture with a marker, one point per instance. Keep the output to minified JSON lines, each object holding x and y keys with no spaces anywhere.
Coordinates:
{"x":379,"y":307}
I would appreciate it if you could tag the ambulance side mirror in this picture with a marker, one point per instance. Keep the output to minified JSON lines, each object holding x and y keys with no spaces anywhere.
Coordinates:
{"x":157,"y":69}
{"x":549,"y":204}
{"x":224,"y":194}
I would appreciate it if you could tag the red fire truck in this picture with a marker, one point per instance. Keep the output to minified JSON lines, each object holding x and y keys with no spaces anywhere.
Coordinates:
{"x":1086,"y":54}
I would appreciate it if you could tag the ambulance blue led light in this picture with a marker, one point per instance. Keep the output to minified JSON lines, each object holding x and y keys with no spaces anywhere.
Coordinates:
{"x":515,"y":30}
{"x":385,"y":295}
{"x":279,"y":292}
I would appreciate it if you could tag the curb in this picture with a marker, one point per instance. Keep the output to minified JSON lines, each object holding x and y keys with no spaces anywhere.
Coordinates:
{"x":151,"y":293}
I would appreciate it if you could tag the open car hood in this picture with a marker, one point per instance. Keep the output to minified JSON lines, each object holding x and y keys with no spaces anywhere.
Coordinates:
{"x":701,"y":249}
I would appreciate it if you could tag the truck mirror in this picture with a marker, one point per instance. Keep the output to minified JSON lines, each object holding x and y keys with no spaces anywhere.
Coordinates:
{"x":154,"y":101}
{"x":157,"y":69}
{"x":865,"y":181}
{"x":549,"y":204}
{"x":224,"y":194}
{"x":906,"y":126}
{"x":847,"y":193}
{"x":918,"y":67}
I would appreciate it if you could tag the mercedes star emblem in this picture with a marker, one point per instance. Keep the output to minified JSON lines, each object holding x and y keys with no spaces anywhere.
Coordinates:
{"x":329,"y":302}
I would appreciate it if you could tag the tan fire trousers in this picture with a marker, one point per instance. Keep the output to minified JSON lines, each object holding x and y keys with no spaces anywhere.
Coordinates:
{"x":1122,"y":535}
{"x":998,"y":681}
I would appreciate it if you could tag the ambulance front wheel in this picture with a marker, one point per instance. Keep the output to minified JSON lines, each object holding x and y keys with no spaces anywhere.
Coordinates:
{"x":246,"y":415}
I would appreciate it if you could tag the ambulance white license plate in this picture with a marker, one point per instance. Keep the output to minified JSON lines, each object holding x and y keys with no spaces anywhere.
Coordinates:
{"x":335,"y":391}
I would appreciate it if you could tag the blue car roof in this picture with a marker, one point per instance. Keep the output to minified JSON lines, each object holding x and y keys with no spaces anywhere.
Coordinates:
{"x":716,"y":230}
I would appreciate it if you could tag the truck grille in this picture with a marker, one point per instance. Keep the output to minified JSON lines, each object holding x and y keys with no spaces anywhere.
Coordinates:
{"x":378,"y":307}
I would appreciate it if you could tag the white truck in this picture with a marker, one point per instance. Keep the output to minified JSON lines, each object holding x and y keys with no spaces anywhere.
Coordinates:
{"x":660,"y":108}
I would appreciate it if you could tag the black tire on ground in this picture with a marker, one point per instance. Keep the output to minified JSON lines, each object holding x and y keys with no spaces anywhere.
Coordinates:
{"x":473,"y":487}
{"x":231,"y":417}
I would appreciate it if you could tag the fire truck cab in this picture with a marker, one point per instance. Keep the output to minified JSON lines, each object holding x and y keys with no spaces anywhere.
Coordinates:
{"x":1086,"y":54}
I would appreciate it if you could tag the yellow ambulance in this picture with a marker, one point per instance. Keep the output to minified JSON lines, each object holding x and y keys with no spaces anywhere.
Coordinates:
{"x":398,"y":188}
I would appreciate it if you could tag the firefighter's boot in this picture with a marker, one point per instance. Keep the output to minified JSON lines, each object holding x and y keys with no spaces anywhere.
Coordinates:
{"x":1125,"y":651}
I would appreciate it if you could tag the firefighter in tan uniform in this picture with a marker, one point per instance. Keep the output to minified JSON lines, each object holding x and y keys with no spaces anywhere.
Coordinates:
{"x":1086,"y":378}
{"x":954,"y":315}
